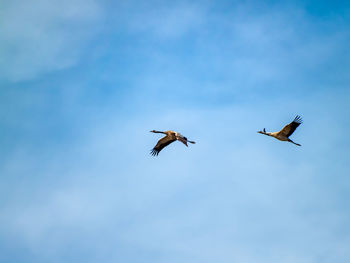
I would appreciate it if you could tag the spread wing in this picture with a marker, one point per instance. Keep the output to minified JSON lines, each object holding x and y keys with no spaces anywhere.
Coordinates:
{"x":291,"y":127}
{"x":163,"y":142}
{"x":182,"y":139}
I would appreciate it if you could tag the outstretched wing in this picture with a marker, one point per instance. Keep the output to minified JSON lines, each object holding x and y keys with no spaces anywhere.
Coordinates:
{"x":182,"y":139}
{"x":163,"y":142}
{"x":291,"y":127}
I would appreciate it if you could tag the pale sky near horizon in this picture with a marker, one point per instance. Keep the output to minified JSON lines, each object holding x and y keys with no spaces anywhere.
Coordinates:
{"x":83,"y":82}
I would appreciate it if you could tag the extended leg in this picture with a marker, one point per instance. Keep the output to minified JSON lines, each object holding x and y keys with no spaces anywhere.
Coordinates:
{"x":294,"y":142}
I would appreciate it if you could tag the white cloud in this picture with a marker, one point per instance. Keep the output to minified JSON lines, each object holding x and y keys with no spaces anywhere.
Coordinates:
{"x":234,"y":195}
{"x":165,"y":20}
{"x":45,"y":36}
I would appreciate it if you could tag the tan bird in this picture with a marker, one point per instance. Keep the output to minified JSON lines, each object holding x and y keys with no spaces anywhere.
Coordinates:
{"x":283,"y":135}
{"x":170,"y":136}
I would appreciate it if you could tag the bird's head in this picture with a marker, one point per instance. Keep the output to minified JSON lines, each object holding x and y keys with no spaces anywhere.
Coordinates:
{"x":153,"y":131}
{"x":263,"y":131}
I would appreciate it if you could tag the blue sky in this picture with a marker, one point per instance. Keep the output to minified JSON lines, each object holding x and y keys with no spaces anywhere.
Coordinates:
{"x":83,"y":83}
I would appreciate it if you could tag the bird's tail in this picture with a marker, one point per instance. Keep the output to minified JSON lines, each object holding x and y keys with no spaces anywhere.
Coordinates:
{"x":191,"y":142}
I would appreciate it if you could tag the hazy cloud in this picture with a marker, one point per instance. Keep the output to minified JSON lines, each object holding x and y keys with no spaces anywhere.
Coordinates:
{"x":77,"y":180}
{"x":40,"y":37}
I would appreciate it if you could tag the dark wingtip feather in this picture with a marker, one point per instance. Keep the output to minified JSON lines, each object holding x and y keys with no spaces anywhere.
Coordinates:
{"x":154,"y":152}
{"x":298,"y":119}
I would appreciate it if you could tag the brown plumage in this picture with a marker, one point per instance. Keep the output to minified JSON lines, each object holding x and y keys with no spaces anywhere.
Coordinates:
{"x":287,"y":130}
{"x":170,"y":136}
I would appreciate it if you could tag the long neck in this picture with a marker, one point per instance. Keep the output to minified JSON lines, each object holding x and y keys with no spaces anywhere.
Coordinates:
{"x":159,"y":132}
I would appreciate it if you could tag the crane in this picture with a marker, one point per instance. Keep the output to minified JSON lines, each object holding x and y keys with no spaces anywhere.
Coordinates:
{"x":170,"y":136}
{"x":287,"y":130}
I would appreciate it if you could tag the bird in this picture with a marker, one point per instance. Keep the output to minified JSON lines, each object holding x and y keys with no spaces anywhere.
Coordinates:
{"x":287,"y":130}
{"x":170,"y":136}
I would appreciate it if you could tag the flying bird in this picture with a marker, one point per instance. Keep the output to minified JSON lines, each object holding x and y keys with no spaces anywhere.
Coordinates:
{"x":283,"y":135}
{"x":170,"y":136}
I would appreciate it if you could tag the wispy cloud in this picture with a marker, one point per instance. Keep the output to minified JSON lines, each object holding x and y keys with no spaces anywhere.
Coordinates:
{"x":45,"y":36}
{"x":77,"y":180}
{"x":248,"y":48}
{"x":169,"y":20}
{"x":250,"y":191}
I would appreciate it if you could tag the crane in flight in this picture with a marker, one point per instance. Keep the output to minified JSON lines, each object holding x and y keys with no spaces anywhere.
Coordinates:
{"x":287,"y":130}
{"x":170,"y":136}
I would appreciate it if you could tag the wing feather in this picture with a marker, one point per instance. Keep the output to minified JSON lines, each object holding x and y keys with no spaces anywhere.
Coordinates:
{"x":182,"y":139}
{"x":163,"y":142}
{"x":291,"y":127}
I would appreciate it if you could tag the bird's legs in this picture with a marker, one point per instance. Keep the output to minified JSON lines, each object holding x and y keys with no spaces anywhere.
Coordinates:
{"x":294,"y":142}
